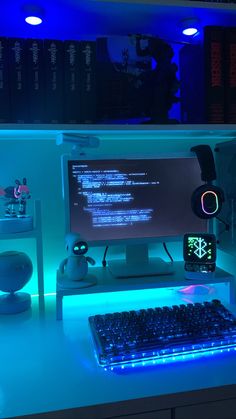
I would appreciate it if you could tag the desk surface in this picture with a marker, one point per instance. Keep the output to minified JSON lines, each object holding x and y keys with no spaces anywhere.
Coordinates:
{"x":48,"y":365}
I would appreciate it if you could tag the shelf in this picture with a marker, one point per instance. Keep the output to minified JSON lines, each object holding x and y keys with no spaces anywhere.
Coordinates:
{"x":107,"y":283}
{"x":90,"y":18}
{"x":178,"y":3}
{"x":121,"y":132}
{"x":23,"y":235}
{"x":160,"y":17}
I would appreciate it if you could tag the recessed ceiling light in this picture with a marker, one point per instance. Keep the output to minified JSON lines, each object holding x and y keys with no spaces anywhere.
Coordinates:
{"x":190,"y":26}
{"x":33,"y":20}
{"x":190,"y":31}
{"x":33,"y":14}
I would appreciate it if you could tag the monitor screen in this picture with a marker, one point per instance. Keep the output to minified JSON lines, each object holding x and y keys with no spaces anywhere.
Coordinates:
{"x":140,"y":200}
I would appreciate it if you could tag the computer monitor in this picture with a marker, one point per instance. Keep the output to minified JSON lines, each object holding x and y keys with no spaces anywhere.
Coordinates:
{"x":133,"y":201}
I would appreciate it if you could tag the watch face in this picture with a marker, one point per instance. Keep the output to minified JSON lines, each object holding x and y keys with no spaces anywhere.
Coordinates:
{"x":200,"y":248}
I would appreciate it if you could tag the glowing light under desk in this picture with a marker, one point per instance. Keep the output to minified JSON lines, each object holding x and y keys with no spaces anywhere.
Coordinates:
{"x":175,"y":357}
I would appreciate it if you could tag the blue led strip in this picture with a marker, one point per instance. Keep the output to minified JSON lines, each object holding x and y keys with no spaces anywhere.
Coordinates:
{"x":169,"y":355}
{"x":174,"y":359}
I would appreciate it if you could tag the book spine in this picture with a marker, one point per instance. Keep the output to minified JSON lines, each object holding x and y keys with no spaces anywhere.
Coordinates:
{"x":112,"y":91}
{"x":53,"y":64}
{"x":35,"y":80}
{"x":87,"y":82}
{"x":4,"y":81}
{"x":214,"y":73}
{"x":72,"y":105}
{"x":18,"y":78}
{"x":191,"y":66}
{"x":230,"y":75}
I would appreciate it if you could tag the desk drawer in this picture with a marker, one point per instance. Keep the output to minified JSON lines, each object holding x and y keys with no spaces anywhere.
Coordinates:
{"x":224,"y":409}
{"x":157,"y":414}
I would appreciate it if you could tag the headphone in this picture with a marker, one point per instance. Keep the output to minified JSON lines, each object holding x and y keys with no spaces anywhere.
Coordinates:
{"x":207,"y":199}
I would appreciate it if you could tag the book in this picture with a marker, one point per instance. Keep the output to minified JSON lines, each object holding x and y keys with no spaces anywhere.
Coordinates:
{"x":19,"y":111}
{"x":136,"y":79}
{"x":192,"y":89}
{"x":4,"y":81}
{"x":214,"y":73}
{"x":230,"y":75}
{"x":54,"y":78}
{"x":122,"y":80}
{"x":35,"y":80}
{"x":72,"y":82}
{"x":87,"y":81}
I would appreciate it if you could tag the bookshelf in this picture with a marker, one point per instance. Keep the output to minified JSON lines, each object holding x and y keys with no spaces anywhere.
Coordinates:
{"x":178,"y":3}
{"x":204,"y":132}
{"x":156,"y":16}
{"x":104,"y":17}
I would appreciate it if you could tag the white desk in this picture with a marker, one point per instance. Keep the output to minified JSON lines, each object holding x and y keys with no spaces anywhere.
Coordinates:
{"x":49,"y":366}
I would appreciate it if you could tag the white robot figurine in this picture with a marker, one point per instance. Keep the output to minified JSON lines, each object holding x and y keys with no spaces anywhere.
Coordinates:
{"x":75,"y":266}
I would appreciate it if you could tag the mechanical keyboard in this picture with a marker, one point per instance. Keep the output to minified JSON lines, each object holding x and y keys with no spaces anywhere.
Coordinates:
{"x":163,"y":333}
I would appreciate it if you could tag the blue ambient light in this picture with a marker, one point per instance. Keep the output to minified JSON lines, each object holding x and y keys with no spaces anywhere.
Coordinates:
{"x":192,"y":354}
{"x":33,"y":20}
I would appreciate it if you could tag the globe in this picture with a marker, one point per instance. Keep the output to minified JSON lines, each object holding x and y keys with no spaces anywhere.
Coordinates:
{"x":15,"y":271}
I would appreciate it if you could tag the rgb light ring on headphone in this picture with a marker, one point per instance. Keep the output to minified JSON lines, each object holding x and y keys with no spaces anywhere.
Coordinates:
{"x":207,"y":191}
{"x":211,"y":213}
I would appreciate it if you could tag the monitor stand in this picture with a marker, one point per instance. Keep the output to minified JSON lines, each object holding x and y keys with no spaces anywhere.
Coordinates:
{"x":137,"y":263}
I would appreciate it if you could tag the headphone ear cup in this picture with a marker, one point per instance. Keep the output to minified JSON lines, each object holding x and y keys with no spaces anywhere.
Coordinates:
{"x":207,"y":201}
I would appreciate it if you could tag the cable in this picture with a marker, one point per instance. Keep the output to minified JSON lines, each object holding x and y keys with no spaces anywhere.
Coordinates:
{"x":167,"y":251}
{"x":104,"y":262}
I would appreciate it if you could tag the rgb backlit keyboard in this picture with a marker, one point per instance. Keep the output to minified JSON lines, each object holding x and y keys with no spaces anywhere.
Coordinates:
{"x":161,"y":333}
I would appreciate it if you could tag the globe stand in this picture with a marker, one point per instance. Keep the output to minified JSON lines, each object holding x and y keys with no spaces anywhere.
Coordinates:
{"x":13,"y":303}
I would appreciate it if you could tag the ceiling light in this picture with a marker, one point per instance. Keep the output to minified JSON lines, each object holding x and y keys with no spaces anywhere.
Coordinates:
{"x":33,"y":14}
{"x":190,"y":31}
{"x":33,"y":20}
{"x":190,"y":27}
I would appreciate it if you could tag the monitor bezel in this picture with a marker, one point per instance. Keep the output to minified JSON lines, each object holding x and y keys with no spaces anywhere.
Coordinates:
{"x":128,"y":241}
